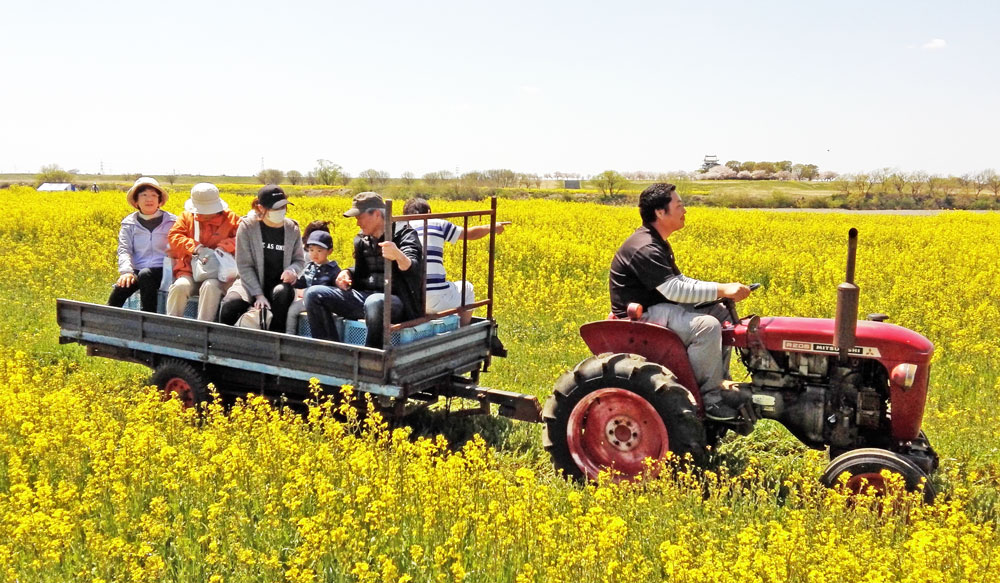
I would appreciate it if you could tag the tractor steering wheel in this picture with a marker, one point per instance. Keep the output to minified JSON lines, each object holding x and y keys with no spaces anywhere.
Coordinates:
{"x":730,"y":304}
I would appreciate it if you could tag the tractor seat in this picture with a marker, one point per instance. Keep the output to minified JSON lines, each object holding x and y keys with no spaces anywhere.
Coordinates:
{"x":634,"y":312}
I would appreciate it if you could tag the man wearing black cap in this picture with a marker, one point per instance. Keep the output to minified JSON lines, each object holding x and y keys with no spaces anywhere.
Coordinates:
{"x":359,"y":291}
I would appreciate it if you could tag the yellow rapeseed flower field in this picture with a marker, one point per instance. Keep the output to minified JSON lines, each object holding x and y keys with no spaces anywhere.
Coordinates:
{"x":101,"y":481}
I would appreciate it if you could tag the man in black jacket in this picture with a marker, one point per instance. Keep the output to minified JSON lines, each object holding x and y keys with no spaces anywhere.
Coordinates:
{"x":359,"y":292}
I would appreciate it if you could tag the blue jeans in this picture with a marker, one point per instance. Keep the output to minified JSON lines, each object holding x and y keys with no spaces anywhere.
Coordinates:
{"x":323,"y":301}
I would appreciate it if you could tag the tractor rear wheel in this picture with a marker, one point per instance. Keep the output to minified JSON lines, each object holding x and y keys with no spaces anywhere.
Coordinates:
{"x":615,"y":410}
{"x":864,"y":468}
{"x":178,"y":378}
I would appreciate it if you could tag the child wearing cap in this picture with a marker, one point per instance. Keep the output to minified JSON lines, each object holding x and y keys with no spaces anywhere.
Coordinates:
{"x":320,"y":270}
{"x":142,"y":245}
{"x":269,"y":258}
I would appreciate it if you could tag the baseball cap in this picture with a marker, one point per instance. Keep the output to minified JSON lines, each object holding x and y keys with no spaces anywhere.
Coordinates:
{"x":272,"y":197}
{"x":363,"y":202}
{"x":321,"y":238}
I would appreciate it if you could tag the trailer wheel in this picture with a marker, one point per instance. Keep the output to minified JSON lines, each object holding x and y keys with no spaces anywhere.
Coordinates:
{"x":176,"y":377}
{"x":864,"y":468}
{"x":615,"y":410}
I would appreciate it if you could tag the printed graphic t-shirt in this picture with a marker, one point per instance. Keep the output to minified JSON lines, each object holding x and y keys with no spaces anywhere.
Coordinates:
{"x":274,"y":256}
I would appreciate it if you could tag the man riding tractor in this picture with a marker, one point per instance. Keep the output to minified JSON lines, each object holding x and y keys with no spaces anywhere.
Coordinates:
{"x":655,"y":383}
{"x":644,"y":272}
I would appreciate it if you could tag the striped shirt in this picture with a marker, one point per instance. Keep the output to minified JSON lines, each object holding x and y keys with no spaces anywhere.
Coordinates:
{"x":439,"y":231}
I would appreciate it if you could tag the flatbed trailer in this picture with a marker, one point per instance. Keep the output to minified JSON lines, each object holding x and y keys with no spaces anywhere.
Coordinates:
{"x":279,"y":366}
{"x":187,"y":354}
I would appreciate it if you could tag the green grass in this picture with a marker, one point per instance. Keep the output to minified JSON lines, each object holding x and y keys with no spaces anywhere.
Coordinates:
{"x":758,"y":188}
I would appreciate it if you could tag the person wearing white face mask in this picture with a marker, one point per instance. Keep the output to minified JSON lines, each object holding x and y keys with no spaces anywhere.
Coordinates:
{"x":142,"y":245}
{"x":269,"y":257}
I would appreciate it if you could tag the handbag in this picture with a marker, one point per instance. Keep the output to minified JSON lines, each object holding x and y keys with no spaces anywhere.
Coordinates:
{"x":205,"y":265}
{"x":212,"y":263}
{"x":257,"y":319}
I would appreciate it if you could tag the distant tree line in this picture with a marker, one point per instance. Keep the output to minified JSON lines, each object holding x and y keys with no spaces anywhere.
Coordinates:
{"x":749,"y":170}
{"x":882,"y":188}
{"x":327,"y":173}
{"x":890,"y":188}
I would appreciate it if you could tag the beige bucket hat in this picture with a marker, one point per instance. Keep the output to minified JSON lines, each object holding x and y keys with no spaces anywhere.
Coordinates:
{"x":143,"y":182}
{"x":205,"y":199}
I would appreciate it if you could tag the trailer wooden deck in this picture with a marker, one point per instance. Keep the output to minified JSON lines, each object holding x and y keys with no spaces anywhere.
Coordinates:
{"x":241,"y":360}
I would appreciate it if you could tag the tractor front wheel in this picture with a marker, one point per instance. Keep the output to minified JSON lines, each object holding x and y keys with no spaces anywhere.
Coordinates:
{"x":615,"y":410}
{"x":178,"y":378}
{"x":864,"y":471}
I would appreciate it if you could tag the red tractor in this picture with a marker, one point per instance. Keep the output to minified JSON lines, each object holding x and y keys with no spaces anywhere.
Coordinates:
{"x":857,"y":387}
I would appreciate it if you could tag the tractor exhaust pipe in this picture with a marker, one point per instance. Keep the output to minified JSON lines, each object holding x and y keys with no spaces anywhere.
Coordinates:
{"x":846,"y":324}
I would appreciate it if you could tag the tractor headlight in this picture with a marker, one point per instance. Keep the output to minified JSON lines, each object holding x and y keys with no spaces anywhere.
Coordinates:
{"x":903,"y":375}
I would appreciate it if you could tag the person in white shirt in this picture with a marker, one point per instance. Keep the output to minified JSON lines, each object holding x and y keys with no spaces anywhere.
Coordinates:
{"x":443,"y":294}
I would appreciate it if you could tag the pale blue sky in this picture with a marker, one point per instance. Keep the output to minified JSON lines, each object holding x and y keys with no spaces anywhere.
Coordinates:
{"x":212,"y":87}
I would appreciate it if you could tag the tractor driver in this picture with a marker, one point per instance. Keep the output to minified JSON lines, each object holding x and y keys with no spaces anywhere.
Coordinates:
{"x":643,"y":271}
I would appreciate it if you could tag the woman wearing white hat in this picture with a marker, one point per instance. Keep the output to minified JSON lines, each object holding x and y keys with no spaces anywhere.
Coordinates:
{"x":142,"y":245}
{"x":211,"y":225}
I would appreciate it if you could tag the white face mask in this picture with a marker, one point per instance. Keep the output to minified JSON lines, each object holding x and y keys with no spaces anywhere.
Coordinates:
{"x":276,"y":216}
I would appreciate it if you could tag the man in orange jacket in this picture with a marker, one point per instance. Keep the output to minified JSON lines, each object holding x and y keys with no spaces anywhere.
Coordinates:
{"x":216,"y":230}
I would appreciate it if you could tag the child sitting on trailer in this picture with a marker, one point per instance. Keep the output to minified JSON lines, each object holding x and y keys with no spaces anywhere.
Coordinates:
{"x":320,"y":270}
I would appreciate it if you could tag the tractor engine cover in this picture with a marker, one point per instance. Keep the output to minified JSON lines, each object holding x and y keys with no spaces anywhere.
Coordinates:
{"x":805,"y":345}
